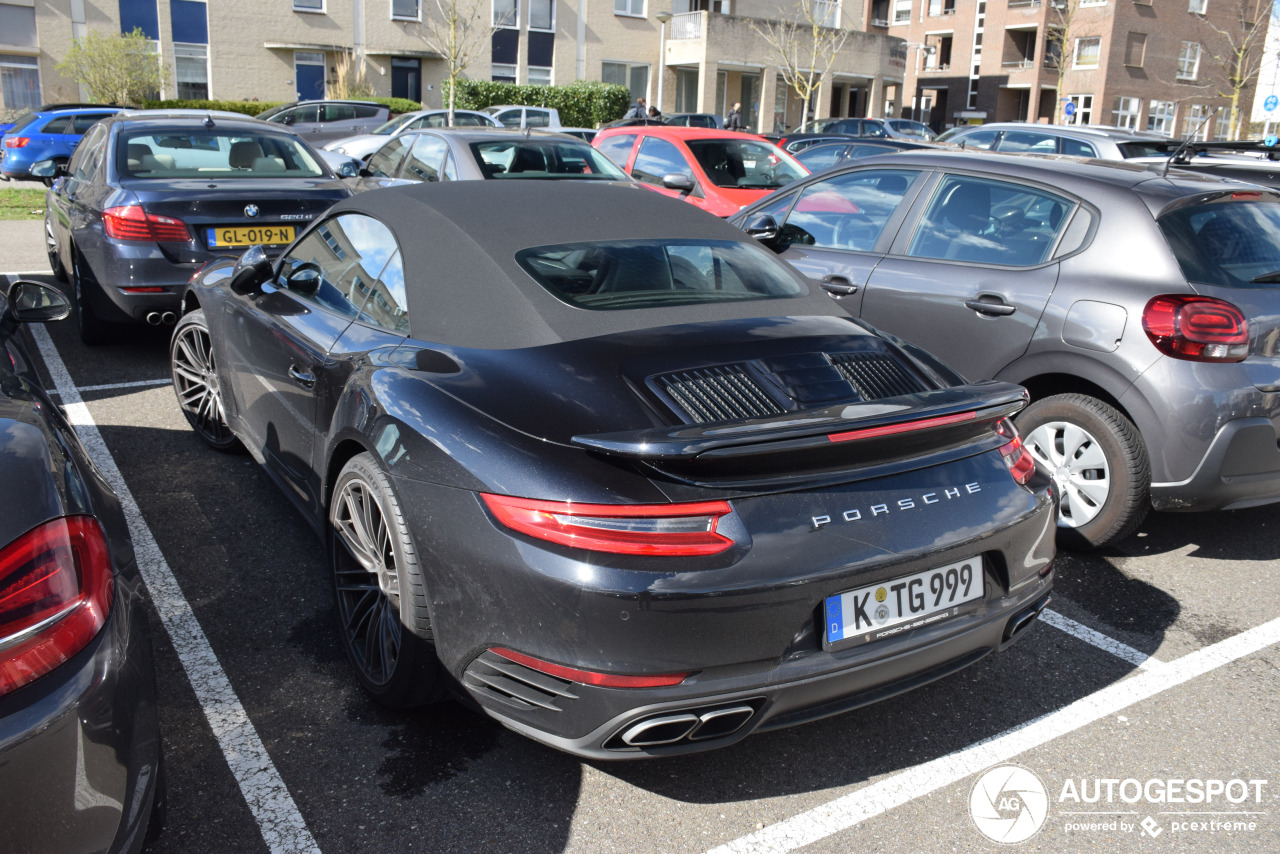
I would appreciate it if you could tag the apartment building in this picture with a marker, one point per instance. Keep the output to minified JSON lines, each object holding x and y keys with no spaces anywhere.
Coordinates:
{"x":683,"y":56}
{"x":1149,"y":65}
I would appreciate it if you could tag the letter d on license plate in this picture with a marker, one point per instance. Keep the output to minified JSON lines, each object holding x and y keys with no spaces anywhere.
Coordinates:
{"x":891,"y":607}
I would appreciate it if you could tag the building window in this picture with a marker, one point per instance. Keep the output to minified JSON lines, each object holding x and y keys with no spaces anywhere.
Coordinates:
{"x":502,"y":73}
{"x":902,"y":11}
{"x":1135,"y":49}
{"x":542,"y":15}
{"x":1196,"y":124}
{"x":405,"y":10}
{"x":635,"y":8}
{"x":826,"y":12}
{"x":1198,"y":7}
{"x":632,"y":75}
{"x":18,"y":23}
{"x":191,"y":67}
{"x":539,"y":76}
{"x":1160,"y":117}
{"x":1087,"y":50}
{"x":506,"y":13}
{"x":1189,"y":61}
{"x":1127,"y":112}
{"x":1084,"y":109}
{"x":308,"y":6}
{"x":1093,"y":2}
{"x":942,"y":7}
{"x":20,"y":82}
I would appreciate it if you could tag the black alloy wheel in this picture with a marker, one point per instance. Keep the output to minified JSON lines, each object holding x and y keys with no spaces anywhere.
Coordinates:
{"x":92,"y":329}
{"x":382,"y":604}
{"x":51,"y":249}
{"x":195,"y":382}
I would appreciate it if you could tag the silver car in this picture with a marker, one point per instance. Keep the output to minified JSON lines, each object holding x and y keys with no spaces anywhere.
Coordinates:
{"x":361,"y":146}
{"x":1072,"y":140}
{"x":1141,"y":310}
{"x":320,"y":121}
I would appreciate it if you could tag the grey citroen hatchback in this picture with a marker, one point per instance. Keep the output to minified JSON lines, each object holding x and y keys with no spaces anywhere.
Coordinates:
{"x":1141,"y":310}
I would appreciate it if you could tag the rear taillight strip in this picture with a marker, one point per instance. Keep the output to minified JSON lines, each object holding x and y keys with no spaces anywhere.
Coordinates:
{"x":905,"y":427}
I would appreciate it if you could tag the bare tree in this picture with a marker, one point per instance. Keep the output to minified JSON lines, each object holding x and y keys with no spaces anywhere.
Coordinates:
{"x":1064,"y":26}
{"x":806,"y":46}
{"x":117,"y":68}
{"x":460,"y":33}
{"x":1236,"y":51}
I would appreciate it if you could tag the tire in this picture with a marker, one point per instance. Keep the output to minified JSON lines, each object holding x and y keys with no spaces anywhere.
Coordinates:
{"x":93,"y":330}
{"x":51,"y":249}
{"x":379,"y":588}
{"x":195,"y":382}
{"x":1098,"y":463}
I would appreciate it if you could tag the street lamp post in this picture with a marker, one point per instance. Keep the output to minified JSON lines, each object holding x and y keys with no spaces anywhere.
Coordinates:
{"x":662,"y":17}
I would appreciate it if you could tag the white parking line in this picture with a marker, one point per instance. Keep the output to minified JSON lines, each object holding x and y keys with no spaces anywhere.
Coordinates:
{"x":1101,"y":641}
{"x":85,"y":389}
{"x":873,"y":800}
{"x":279,"y":821}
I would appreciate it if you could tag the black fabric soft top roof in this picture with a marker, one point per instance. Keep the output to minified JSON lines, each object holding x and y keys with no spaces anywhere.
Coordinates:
{"x":465,"y":289}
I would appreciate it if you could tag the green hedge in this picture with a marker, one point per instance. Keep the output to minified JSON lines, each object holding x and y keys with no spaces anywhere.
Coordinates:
{"x":581,"y":104}
{"x":252,"y":108}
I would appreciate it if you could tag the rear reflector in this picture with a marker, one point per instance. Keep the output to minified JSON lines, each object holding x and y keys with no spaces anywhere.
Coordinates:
{"x":1195,"y":328}
{"x":905,"y":427}
{"x":1019,"y":460}
{"x":587,"y":677}
{"x":131,"y":222}
{"x":632,"y":529}
{"x":55,"y":592}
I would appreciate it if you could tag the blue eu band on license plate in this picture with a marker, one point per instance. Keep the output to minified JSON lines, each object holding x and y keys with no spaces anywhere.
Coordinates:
{"x":892,"y":607}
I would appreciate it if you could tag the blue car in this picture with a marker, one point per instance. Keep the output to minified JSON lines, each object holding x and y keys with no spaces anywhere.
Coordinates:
{"x":46,"y":135}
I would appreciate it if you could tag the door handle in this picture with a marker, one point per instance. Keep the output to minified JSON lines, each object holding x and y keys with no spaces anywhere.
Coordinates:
{"x":838,"y":286}
{"x":996,"y":308}
{"x":306,"y":379}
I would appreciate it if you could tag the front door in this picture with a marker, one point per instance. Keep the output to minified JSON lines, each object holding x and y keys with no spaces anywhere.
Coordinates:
{"x":308,"y":72}
{"x":406,"y":79}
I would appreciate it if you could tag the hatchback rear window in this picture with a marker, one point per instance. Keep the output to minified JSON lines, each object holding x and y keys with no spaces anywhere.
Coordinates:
{"x":212,"y":154}
{"x":744,"y":165}
{"x":1231,"y":243}
{"x":647,"y":273}
{"x":538,"y":158}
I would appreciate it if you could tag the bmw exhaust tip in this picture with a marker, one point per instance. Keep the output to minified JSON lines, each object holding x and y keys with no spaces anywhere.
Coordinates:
{"x":153,"y":318}
{"x":168,"y":318}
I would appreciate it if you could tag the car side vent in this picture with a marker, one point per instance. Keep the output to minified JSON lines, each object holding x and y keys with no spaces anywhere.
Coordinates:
{"x":515,"y":685}
{"x":722,"y":393}
{"x":877,"y":375}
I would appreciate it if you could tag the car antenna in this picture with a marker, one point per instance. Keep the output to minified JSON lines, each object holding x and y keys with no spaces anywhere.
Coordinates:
{"x":208,"y":122}
{"x":1191,"y":137}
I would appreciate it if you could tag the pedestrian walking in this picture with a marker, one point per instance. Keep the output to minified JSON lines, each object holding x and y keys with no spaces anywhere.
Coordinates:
{"x":638,"y":110}
{"x":733,"y":121}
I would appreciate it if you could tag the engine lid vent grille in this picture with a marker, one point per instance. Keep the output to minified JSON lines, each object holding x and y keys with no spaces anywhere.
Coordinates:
{"x":721,"y":393}
{"x":877,"y":375}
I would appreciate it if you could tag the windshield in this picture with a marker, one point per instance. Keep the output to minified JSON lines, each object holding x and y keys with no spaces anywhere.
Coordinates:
{"x":544,"y":158}
{"x":1147,"y":148}
{"x":745,"y":165}
{"x":388,"y":128}
{"x":1231,"y":242}
{"x":650,"y":273}
{"x":214,"y":154}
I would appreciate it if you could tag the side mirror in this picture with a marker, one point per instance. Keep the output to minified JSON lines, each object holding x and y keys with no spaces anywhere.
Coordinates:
{"x":33,"y":302}
{"x":288,"y":120}
{"x":251,"y":271}
{"x":48,"y":169}
{"x":349,"y":169}
{"x":679,"y":181}
{"x":763,"y":228}
{"x":305,"y":280}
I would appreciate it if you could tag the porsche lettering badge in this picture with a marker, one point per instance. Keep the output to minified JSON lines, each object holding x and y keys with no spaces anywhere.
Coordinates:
{"x":902,"y":504}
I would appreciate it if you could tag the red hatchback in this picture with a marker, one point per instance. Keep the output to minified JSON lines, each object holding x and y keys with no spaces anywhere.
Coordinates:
{"x":719,"y":171}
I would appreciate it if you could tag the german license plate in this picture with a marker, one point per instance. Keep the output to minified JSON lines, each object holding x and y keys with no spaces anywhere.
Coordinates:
{"x":881,"y":610}
{"x":266,"y":235}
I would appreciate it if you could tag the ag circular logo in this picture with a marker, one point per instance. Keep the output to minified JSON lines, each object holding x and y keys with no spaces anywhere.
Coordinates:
{"x":1008,"y":804}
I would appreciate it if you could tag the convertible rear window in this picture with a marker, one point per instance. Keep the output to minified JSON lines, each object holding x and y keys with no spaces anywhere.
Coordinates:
{"x":213,"y":154}
{"x":648,"y":273}
{"x":1232,"y":242}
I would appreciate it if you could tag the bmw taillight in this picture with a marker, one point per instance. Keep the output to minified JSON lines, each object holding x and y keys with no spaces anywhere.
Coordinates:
{"x":1016,"y":456}
{"x":631,"y":529}
{"x":1196,"y":328}
{"x":55,"y":593}
{"x":17,"y":142}
{"x":131,"y":222}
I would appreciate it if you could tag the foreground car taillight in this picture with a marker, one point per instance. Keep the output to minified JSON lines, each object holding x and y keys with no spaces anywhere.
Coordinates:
{"x":1199,"y":329}
{"x":590,"y":677}
{"x":1016,"y":456}
{"x":630,"y":529}
{"x":17,"y":142}
{"x":55,"y":593}
{"x":131,"y":222}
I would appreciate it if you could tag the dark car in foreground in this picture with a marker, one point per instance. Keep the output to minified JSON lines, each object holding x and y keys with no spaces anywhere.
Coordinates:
{"x":46,"y":135}
{"x":1141,"y":311}
{"x":148,"y":199}
{"x":79,"y":737}
{"x":614,"y":471}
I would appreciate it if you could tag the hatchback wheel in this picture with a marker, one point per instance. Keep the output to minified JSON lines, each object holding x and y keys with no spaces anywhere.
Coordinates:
{"x":378,"y":583}
{"x":195,"y":382}
{"x":51,"y":248}
{"x":1098,"y":464}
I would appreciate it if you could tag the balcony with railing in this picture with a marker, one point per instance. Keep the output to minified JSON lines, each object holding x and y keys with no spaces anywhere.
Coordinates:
{"x":686,"y":25}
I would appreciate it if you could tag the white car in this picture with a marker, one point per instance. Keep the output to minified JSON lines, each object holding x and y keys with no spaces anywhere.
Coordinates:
{"x":363,"y":145}
{"x":516,"y":116}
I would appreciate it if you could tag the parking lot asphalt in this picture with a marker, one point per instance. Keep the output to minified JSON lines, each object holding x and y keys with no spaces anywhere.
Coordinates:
{"x":1157,"y":669}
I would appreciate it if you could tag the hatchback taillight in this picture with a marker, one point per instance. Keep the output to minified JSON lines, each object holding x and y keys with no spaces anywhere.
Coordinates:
{"x":1199,"y":329}
{"x":17,"y":142}
{"x":633,"y":529}
{"x":1016,"y":456}
{"x":131,"y":222}
{"x":55,"y":593}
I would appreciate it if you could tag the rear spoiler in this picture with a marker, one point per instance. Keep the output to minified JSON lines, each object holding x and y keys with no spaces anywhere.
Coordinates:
{"x":944,"y":413}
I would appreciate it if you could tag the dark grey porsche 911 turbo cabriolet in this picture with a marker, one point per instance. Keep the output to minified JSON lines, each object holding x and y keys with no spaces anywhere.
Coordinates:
{"x":615,"y":472}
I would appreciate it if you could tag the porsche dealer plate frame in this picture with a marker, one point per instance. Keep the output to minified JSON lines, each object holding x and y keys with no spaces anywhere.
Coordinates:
{"x":876,"y":611}
{"x":239,"y":237}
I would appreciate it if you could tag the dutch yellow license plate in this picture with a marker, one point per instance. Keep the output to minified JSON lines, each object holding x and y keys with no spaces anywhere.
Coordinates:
{"x":267,"y":235}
